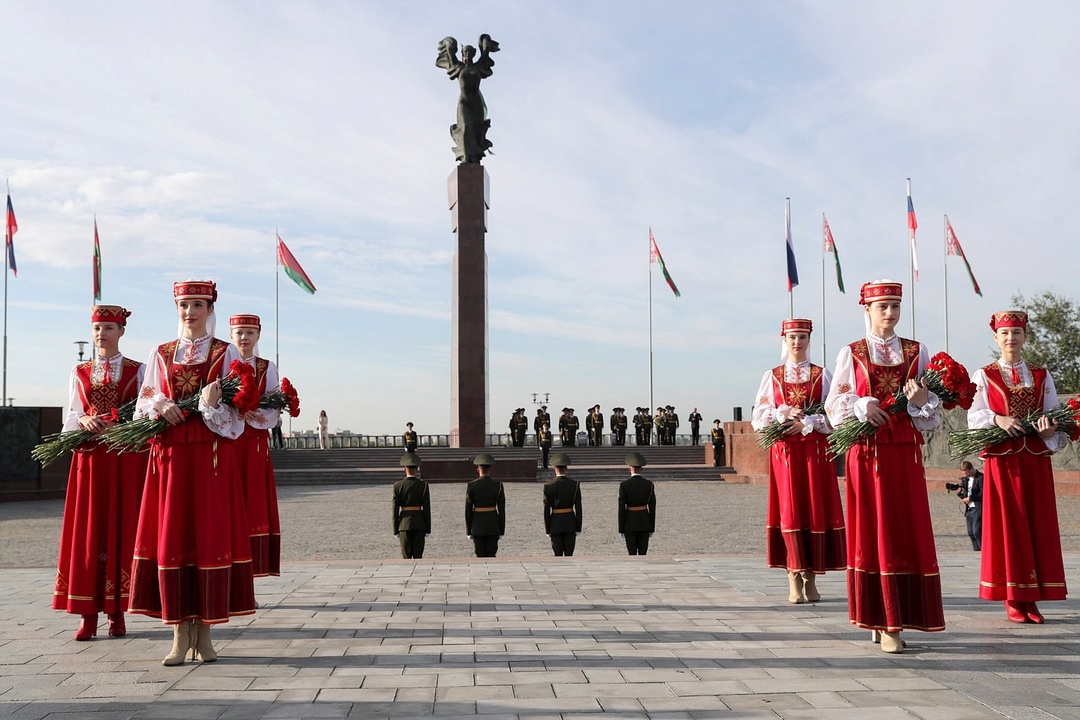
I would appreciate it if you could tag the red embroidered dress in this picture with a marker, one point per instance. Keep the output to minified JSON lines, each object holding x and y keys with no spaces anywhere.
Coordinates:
{"x":805,"y":520}
{"x":101,"y":509}
{"x":257,"y":471}
{"x":192,"y":552}
{"x":893,"y":578}
{"x":1021,"y":549}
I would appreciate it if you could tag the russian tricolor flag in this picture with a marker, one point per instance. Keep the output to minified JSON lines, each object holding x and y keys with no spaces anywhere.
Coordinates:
{"x":792,"y":271}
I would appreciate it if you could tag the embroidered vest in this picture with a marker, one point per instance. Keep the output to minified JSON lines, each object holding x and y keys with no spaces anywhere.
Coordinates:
{"x":883,"y":382}
{"x":1017,"y":402}
{"x":101,"y":398}
{"x":801,"y":394}
{"x":183,"y":380}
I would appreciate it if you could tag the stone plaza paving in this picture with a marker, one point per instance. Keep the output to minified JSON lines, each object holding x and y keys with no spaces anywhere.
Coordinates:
{"x":537,"y":637}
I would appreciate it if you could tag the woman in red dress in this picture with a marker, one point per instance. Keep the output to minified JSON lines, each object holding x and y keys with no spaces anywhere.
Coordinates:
{"x":1021,"y":547}
{"x":104,"y":490}
{"x":253,"y":453}
{"x":893,"y":580}
{"x":192,"y":563}
{"x":805,"y":521}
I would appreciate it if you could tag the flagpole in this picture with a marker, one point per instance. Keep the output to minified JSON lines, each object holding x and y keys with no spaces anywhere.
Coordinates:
{"x":277,"y":306}
{"x":911,"y":264}
{"x":823,"y":351}
{"x":7,"y":253}
{"x":651,"y":405}
{"x":787,"y":246}
{"x":945,"y":275}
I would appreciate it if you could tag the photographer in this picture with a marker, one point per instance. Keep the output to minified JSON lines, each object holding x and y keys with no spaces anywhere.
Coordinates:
{"x":969,"y":490}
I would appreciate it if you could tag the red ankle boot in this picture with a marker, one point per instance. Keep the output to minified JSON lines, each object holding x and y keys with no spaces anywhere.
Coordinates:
{"x":117,"y":628}
{"x":87,"y":627}
{"x":1015,"y":611}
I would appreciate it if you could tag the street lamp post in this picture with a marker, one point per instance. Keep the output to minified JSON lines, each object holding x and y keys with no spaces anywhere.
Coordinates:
{"x":82,"y":348}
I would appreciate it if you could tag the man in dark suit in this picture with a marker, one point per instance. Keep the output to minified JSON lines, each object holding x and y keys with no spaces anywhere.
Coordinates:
{"x":637,"y":507}
{"x":412,"y":440}
{"x":695,"y":426}
{"x":485,"y":508}
{"x":719,"y":445}
{"x":543,"y":439}
{"x":973,"y":482}
{"x":562,"y":507}
{"x":412,"y":509}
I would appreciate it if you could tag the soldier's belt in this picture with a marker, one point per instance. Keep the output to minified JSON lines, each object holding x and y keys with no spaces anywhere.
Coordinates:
{"x":562,"y":511}
{"x":635,"y":508}
{"x":485,"y":509}
{"x":410,"y":508}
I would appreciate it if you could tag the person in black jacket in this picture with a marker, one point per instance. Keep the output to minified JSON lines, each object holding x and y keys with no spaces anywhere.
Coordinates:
{"x":973,"y":482}
{"x":485,"y":508}
{"x":562,"y":507}
{"x":637,"y":507}
{"x":695,"y":426}
{"x":543,"y":439}
{"x":719,"y":444}
{"x":412,"y":509}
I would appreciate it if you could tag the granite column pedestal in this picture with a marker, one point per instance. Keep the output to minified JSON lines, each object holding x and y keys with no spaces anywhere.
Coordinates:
{"x":468,"y":198}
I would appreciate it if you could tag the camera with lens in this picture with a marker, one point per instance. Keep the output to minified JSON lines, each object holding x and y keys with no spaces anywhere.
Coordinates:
{"x":960,"y":488}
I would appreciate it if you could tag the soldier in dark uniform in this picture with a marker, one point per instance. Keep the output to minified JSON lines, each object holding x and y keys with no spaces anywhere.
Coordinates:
{"x":638,"y":427}
{"x":562,"y":426}
{"x":646,"y":425}
{"x":719,"y":448}
{"x":572,"y":426}
{"x":589,"y":427}
{"x":562,"y":507}
{"x":596,"y":430}
{"x":521,"y":428}
{"x":542,"y":418}
{"x":637,"y":507}
{"x":672,"y":424}
{"x":412,"y":440}
{"x":543,"y":440}
{"x":485,"y":508}
{"x":618,"y":426}
{"x":660,"y":421}
{"x":695,"y":426}
{"x":412,"y":509}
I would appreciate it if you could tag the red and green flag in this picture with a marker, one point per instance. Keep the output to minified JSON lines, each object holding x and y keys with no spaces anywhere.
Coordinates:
{"x":656,"y":257}
{"x":952,"y":247}
{"x":292,"y":267}
{"x":10,"y":229}
{"x":830,"y":247}
{"x":97,"y":264}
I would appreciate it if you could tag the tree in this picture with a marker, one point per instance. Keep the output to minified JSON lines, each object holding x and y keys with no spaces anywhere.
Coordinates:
{"x":1053,"y":337}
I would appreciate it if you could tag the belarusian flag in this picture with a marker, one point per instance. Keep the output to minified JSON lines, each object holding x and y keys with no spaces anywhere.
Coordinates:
{"x":656,"y":257}
{"x":952,"y":247}
{"x":97,"y":264}
{"x":830,"y":246}
{"x":292,"y":268}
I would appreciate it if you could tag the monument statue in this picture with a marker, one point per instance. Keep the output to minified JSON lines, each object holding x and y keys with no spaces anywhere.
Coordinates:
{"x":470,"y":130}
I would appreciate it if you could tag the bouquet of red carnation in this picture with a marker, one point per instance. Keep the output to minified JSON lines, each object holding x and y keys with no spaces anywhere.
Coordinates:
{"x":238,"y":389}
{"x":970,"y":442}
{"x":771,"y":433}
{"x":56,"y":445}
{"x":284,"y":398}
{"x":944,"y":377}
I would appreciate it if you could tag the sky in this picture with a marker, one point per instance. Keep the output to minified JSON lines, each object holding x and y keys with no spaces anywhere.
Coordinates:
{"x":193,"y":131}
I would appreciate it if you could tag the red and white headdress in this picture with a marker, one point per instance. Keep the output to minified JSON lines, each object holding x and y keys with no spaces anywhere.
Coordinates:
{"x":195,"y":290}
{"x":109,"y":313}
{"x":880,"y":290}
{"x":245,"y":321}
{"x":1009,"y":318}
{"x":796,"y":325}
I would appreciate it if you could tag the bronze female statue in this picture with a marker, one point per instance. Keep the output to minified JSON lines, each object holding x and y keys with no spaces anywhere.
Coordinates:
{"x":470,"y":130}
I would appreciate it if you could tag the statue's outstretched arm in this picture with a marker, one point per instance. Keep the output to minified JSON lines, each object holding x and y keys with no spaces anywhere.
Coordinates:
{"x":447,"y":59}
